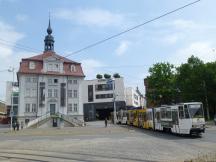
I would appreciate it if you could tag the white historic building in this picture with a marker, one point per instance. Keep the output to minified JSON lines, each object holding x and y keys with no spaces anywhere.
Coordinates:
{"x":50,"y":91}
{"x":134,"y":99}
{"x":99,"y":96}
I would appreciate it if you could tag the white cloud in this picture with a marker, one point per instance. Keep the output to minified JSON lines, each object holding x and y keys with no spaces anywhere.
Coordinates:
{"x":203,"y":50}
{"x":190,"y":25}
{"x":91,"y":67}
{"x":184,"y":24}
{"x":8,"y":38}
{"x":122,"y":48}
{"x":173,"y":38}
{"x":94,"y":17}
{"x":21,"y":17}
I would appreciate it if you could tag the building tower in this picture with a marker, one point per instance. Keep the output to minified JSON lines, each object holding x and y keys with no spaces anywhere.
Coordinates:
{"x":49,"y":40}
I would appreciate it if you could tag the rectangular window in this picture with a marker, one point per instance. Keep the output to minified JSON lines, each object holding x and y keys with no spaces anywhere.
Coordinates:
{"x":55,"y":80}
{"x":74,"y":81}
{"x":34,"y":109}
{"x":28,"y":92}
{"x":42,"y":94}
{"x":27,"y":108}
{"x":34,"y":80}
{"x":50,"y":67}
{"x":70,"y":81}
{"x":75,"y":94}
{"x":90,"y":93}
{"x":15,"y":100}
{"x":63,"y":94}
{"x":49,"y":92}
{"x":103,"y":87}
{"x":55,"y":92}
{"x":70,"y":94}
{"x":50,"y":81}
{"x":69,"y":107}
{"x":56,"y":67}
{"x":101,"y":96}
{"x":34,"y":93}
{"x":75,"y":108}
{"x":28,"y":80}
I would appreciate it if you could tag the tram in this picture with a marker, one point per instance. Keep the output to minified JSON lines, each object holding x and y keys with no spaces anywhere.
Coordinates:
{"x":182,"y":118}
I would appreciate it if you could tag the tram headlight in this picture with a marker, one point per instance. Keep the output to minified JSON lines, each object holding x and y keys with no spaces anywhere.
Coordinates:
{"x":195,"y":126}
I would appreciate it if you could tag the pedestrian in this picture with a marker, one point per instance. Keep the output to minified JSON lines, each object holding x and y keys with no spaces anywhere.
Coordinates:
{"x":14,"y":126}
{"x":22,"y":125}
{"x":215,"y":119}
{"x":105,"y":122}
{"x":17,"y":126}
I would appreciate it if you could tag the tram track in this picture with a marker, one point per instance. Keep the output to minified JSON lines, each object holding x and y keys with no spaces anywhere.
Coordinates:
{"x":37,"y":155}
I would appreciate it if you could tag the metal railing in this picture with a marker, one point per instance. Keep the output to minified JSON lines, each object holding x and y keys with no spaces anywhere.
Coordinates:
{"x":37,"y":120}
{"x":72,"y":120}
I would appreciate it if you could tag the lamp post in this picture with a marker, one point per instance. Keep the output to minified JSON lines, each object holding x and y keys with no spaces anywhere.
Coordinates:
{"x":11,"y":69}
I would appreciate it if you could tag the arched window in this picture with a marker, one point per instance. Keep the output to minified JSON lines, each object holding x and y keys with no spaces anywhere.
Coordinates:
{"x":73,"y":68}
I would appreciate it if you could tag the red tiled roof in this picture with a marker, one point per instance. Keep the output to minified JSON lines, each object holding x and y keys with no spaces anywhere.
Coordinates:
{"x":24,"y":65}
{"x":48,"y":54}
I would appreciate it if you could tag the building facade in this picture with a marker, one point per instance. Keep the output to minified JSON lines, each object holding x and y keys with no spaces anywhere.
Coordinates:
{"x":134,"y":99}
{"x":99,"y":96}
{"x":49,"y":84}
{"x":12,"y":97}
{"x":3,"y":113}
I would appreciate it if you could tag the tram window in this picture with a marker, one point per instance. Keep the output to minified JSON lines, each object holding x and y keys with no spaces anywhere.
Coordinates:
{"x":157,"y":116}
{"x":181,"y":112}
{"x":175,"y":117}
{"x":186,"y":112}
{"x":163,"y":113}
{"x":150,"y":115}
{"x":168,"y":113}
{"x":145,"y":116}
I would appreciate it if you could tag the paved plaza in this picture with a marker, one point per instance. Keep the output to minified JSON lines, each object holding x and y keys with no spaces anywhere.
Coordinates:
{"x":94,"y":143}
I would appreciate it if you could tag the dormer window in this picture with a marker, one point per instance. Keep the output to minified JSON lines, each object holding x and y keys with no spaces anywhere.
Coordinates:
{"x":31,"y":65}
{"x":73,"y":68}
{"x":53,"y":67}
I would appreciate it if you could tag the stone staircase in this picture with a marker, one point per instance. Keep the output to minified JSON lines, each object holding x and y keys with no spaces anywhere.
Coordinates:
{"x":37,"y":121}
{"x":72,"y":120}
{"x":44,"y":118}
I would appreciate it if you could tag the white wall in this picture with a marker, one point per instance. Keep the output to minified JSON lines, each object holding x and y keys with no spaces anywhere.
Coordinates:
{"x":23,"y":99}
{"x":119,"y":90}
{"x":130,"y":94}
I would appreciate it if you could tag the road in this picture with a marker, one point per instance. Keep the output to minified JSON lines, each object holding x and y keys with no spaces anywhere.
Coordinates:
{"x":96,"y":143}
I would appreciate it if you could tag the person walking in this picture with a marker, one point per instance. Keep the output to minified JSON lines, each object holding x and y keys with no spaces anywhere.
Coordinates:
{"x":215,"y":119}
{"x":14,"y":126}
{"x":105,"y":122}
{"x":17,"y":126}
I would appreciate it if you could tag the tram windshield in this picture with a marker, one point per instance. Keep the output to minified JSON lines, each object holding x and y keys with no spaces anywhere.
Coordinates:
{"x":196,"y":111}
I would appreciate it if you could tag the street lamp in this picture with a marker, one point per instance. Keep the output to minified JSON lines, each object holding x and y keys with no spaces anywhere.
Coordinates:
{"x":11,"y":69}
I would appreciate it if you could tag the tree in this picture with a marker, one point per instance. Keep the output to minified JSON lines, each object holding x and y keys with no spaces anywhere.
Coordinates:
{"x":107,"y":76}
{"x":99,"y":76}
{"x":161,"y":84}
{"x":191,"y":80}
{"x":116,"y":75}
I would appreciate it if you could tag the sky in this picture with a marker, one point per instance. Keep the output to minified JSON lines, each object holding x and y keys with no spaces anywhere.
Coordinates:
{"x":76,"y":24}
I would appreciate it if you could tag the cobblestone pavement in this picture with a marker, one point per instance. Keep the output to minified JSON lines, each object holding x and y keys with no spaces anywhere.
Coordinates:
{"x":96,"y":143}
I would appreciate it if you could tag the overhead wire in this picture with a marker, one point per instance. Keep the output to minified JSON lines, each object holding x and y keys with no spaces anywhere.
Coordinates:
{"x":132,"y":28}
{"x":18,"y":46}
{"x":24,"y":47}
